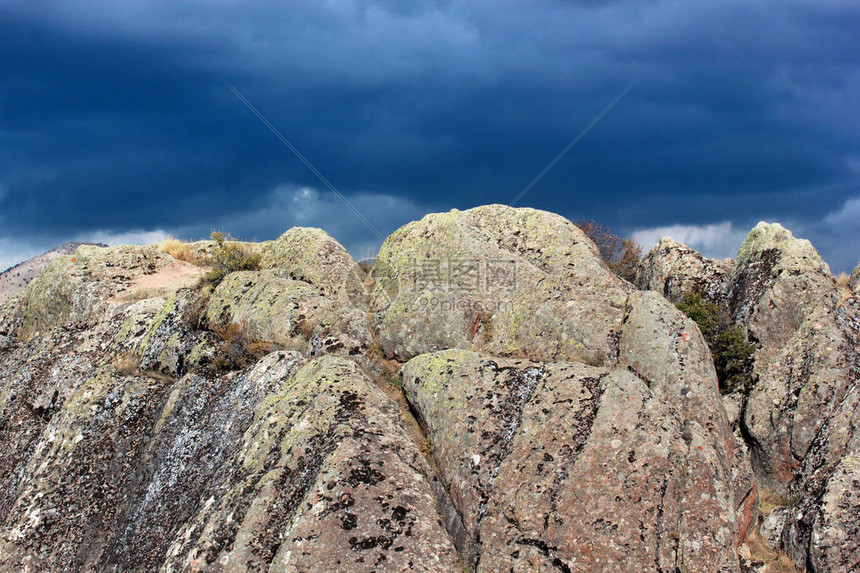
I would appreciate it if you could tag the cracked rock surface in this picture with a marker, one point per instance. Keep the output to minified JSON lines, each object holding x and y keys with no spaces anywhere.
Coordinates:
{"x":547,"y":415}
{"x":796,"y":426}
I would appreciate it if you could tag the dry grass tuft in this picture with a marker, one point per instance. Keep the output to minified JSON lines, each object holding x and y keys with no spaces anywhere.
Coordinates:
{"x":774,"y":561}
{"x":842,"y":283}
{"x":178,"y":250}
{"x":306,"y":327}
{"x":127,"y":363}
{"x":144,"y":293}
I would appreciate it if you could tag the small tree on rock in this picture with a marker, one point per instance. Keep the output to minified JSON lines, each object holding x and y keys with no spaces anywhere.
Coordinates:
{"x":622,"y":254}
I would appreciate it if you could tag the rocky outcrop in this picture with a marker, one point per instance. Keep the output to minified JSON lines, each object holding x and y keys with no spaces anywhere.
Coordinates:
{"x":570,"y":467}
{"x":590,"y":463}
{"x":126,"y":449}
{"x":325,"y":479}
{"x":803,"y":410}
{"x":15,"y":279}
{"x":76,"y":290}
{"x":314,"y":257}
{"x":799,"y":417}
{"x":512,"y":282}
{"x":672,"y":269}
{"x":551,"y":417}
{"x":854,"y":279}
{"x":266,"y":307}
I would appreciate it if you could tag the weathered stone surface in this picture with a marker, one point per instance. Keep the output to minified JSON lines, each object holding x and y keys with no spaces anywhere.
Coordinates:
{"x":854,"y":279}
{"x":313,"y":256}
{"x":157,"y":335}
{"x":512,"y":282}
{"x":267,"y":307}
{"x":777,"y":282}
{"x":798,"y":418}
{"x":325,"y":479}
{"x":672,"y":268}
{"x":565,"y":466}
{"x":312,"y":463}
{"x":70,"y":493}
{"x":836,"y":525}
{"x":74,"y":290}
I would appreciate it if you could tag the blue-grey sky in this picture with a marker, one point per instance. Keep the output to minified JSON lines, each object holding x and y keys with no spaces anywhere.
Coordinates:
{"x":116,"y":123}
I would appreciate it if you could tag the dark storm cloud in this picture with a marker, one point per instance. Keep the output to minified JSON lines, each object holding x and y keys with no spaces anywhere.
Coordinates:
{"x":114,"y":116}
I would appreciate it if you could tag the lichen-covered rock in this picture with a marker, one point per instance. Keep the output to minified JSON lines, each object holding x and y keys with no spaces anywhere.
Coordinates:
{"x":777,"y":282}
{"x":156,"y":335}
{"x":191,"y":455}
{"x":267,"y":307}
{"x":69,"y":496}
{"x":854,"y":279}
{"x":325,"y":479}
{"x":672,"y":269}
{"x":795,"y":422}
{"x":75,"y":289}
{"x":512,"y":282}
{"x":836,"y":523}
{"x":565,"y":466}
{"x":588,"y":434}
{"x":744,"y":484}
{"x":313,"y":256}
{"x":290,"y":467}
{"x":808,"y":342}
{"x":36,"y":378}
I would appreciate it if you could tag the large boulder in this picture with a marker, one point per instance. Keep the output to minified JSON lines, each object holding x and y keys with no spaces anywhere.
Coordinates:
{"x":75,"y":290}
{"x":570,"y":467}
{"x":325,"y":478}
{"x":309,"y":295}
{"x":314,"y":257}
{"x":266,"y":307}
{"x":672,"y":269}
{"x":285,"y":466}
{"x":807,"y":340}
{"x":794,"y":428}
{"x":511,"y":282}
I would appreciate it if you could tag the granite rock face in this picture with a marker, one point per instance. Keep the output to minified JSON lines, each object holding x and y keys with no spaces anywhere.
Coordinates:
{"x":547,"y":416}
{"x":126,"y":449}
{"x":799,"y":419}
{"x":672,"y":268}
{"x":569,"y":467}
{"x":511,"y":282}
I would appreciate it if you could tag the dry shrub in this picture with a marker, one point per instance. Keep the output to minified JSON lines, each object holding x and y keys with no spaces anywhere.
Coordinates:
{"x":228,"y":256}
{"x":620,"y":253}
{"x":193,"y":313}
{"x":238,"y":350}
{"x":768,"y":500}
{"x":774,"y":561}
{"x":306,"y":327}
{"x":842,"y":282}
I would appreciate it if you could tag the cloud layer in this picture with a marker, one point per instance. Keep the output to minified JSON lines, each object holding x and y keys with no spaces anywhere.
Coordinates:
{"x":114,"y":116}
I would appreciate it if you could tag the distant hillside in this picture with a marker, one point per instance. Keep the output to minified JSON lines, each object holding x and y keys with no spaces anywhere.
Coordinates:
{"x":15,"y":279}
